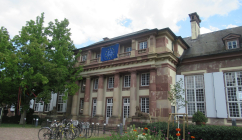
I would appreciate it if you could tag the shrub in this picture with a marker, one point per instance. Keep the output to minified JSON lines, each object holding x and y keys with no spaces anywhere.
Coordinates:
{"x":205,"y":132}
{"x":199,"y":117}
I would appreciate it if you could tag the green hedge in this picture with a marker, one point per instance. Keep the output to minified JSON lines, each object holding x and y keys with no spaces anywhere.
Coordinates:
{"x":204,"y":132}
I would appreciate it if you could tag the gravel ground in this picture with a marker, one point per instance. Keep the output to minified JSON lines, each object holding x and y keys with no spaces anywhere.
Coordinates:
{"x":10,"y":133}
{"x":18,"y":133}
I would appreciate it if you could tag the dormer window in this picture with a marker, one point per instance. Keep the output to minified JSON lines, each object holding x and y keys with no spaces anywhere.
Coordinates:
{"x":232,"y":41}
{"x":232,"y":44}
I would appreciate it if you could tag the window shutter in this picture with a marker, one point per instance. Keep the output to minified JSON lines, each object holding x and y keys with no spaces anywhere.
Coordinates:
{"x":54,"y":100}
{"x":31,"y":104}
{"x":220,"y":95}
{"x":51,"y":102}
{"x":178,"y":77}
{"x":209,"y":95}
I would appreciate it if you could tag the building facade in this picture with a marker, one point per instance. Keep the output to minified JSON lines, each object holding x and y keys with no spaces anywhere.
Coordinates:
{"x":148,"y":62}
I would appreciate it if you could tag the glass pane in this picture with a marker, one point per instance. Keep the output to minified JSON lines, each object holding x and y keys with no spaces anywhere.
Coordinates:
{"x":191,"y":108}
{"x":190,"y":95}
{"x":201,"y":108}
{"x":199,"y":95}
{"x":234,"y":109}
{"x":232,"y":94}
{"x":239,"y":78}
{"x":199,"y":81}
{"x":230,"y":79}
{"x":189,"y":81}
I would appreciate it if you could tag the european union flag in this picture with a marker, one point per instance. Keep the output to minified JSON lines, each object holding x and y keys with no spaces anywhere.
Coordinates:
{"x":109,"y":53}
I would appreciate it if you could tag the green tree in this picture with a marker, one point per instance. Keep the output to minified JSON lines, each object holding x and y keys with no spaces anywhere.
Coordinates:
{"x":46,"y":61}
{"x":9,"y":76}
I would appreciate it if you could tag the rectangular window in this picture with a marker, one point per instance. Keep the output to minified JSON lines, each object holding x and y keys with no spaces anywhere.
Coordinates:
{"x":143,"y":45}
{"x":98,"y":56}
{"x":47,"y":107}
{"x":36,"y":107}
{"x":128,"y":49}
{"x":232,"y":44}
{"x":94,"y":109}
{"x":145,"y":105}
{"x":145,"y":79}
{"x":83,"y":85}
{"x":60,"y":104}
{"x":127,"y":81}
{"x":195,"y":94}
{"x":81,"y":105}
{"x":84,"y":57}
{"x":95,"y":84}
{"x":233,"y":83}
{"x":110,"y":82}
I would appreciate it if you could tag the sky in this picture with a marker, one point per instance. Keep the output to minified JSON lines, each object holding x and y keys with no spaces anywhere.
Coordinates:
{"x":92,"y":20}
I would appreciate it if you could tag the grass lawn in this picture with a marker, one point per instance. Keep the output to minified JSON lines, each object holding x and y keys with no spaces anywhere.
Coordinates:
{"x":19,"y":125}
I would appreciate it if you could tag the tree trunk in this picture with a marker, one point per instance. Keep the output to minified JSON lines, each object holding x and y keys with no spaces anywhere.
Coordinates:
{"x":23,"y":115}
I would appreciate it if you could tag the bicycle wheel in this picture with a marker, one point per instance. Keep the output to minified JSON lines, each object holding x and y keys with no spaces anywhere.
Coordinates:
{"x":45,"y":134}
{"x":57,"y":133}
{"x":82,"y":133}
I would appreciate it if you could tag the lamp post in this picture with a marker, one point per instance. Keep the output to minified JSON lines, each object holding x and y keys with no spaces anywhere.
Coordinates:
{"x":36,"y":122}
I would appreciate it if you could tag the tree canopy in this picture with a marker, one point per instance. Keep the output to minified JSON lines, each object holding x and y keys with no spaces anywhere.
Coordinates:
{"x":38,"y":61}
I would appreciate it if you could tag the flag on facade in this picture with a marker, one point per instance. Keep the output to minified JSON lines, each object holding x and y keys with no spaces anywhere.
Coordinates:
{"x":109,"y":53}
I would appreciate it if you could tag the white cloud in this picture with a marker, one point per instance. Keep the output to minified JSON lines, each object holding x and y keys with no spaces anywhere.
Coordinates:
{"x":204,"y":30}
{"x":231,"y":26}
{"x":94,"y":19}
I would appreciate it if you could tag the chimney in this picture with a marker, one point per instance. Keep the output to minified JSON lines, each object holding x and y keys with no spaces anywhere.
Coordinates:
{"x":195,"y":25}
{"x":105,"y":38}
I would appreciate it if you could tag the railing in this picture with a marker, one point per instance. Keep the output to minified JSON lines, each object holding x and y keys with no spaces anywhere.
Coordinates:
{"x":142,"y":51}
{"x":82,"y":62}
{"x":125,"y":54}
{"x":94,"y":60}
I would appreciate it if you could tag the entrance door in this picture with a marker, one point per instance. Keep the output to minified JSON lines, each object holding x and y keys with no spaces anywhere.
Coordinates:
{"x":126,"y":103}
{"x":109,"y":111}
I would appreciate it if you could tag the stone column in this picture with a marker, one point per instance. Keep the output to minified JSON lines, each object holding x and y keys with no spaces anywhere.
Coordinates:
{"x":100,"y":97}
{"x":116,"y":95}
{"x":115,"y":118}
{"x":74,"y":103}
{"x":152,"y":93}
{"x":133,"y":93}
{"x":87,"y":97}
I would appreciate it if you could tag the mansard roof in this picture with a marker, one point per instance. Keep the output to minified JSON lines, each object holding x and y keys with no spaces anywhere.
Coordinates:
{"x":210,"y":43}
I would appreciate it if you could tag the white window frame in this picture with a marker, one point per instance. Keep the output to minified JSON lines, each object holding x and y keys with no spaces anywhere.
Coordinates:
{"x":110,"y":82}
{"x":233,"y":84}
{"x":232,"y":44}
{"x":36,"y":107}
{"x":95,"y":84}
{"x":98,"y":55}
{"x":143,"y":45}
{"x":144,"y":105}
{"x":94,"y":107}
{"x":194,"y":85}
{"x":84,"y":57}
{"x":60,"y":103}
{"x":47,"y":107}
{"x":81,"y":105}
{"x":128,"y":49}
{"x":127,"y":81}
{"x":145,"y":79}
{"x":83,"y":85}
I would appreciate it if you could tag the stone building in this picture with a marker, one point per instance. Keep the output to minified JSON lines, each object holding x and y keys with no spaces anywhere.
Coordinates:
{"x":148,"y":62}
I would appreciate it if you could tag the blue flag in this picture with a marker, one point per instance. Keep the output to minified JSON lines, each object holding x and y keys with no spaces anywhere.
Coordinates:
{"x":109,"y":53}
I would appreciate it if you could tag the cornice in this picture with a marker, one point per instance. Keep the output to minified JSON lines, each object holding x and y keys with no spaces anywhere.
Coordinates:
{"x":214,"y":57}
{"x":134,"y":60}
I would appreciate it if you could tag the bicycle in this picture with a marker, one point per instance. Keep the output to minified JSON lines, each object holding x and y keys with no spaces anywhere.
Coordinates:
{"x":53,"y":132}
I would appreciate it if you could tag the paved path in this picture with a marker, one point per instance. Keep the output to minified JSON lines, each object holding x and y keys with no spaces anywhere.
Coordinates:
{"x":12,"y":133}
{"x":18,"y":133}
